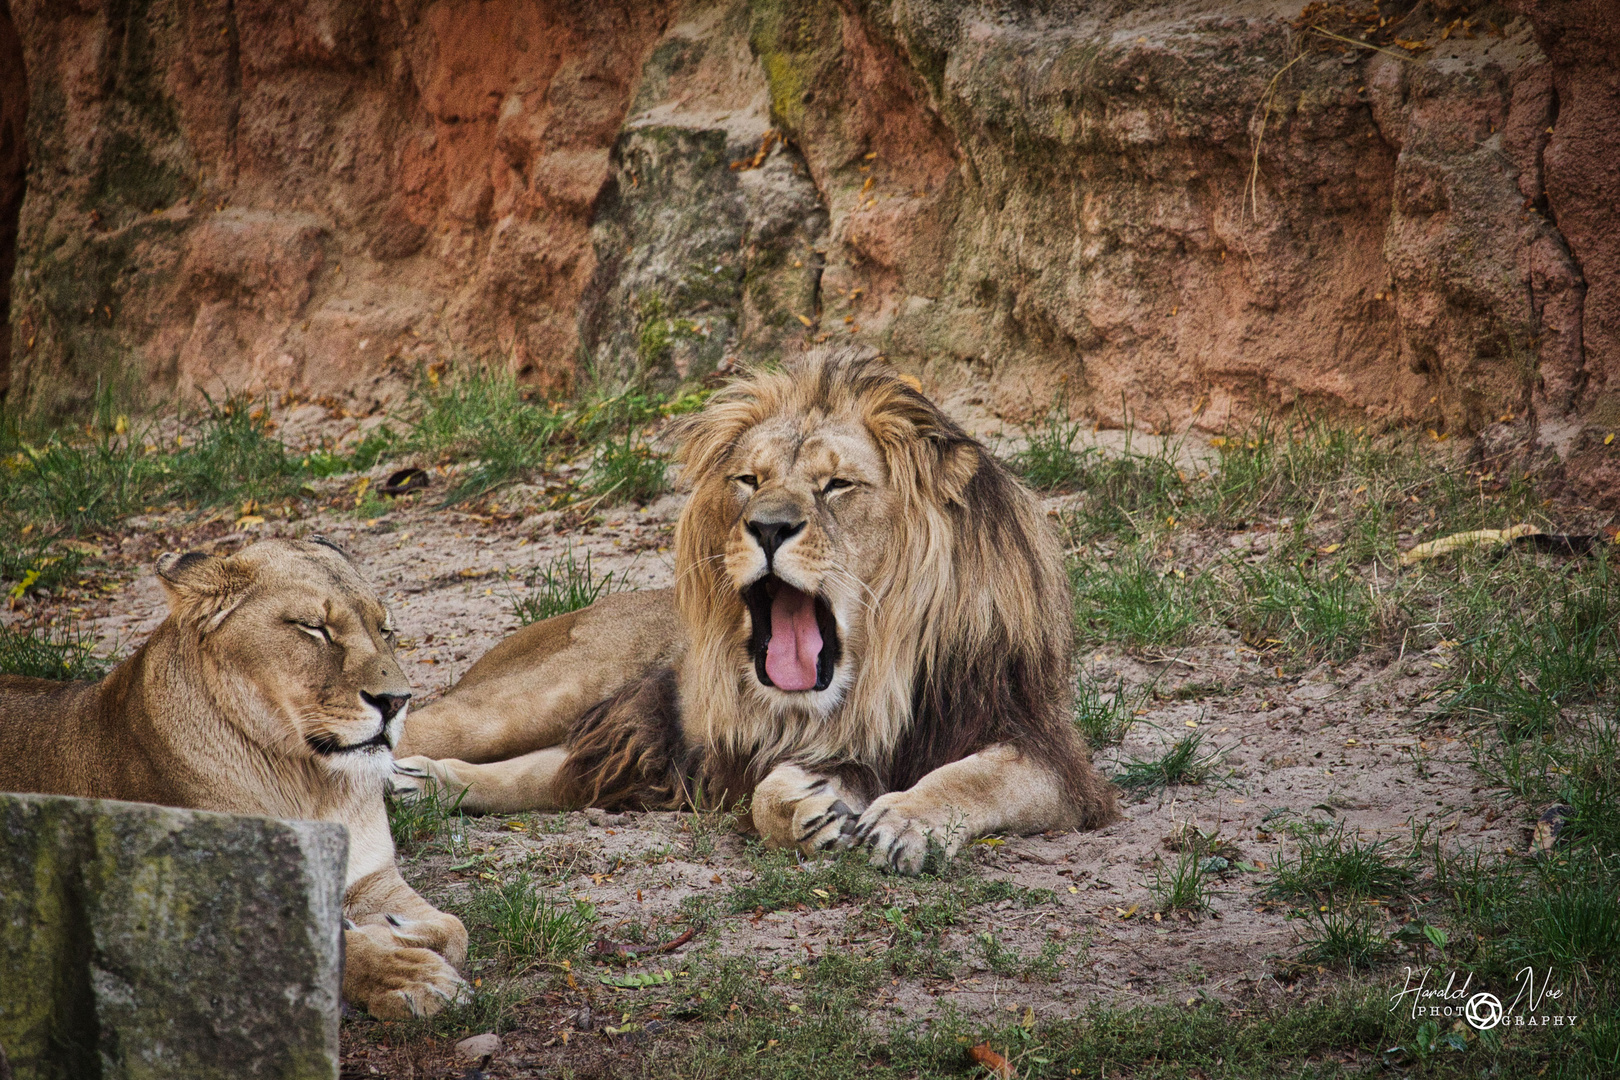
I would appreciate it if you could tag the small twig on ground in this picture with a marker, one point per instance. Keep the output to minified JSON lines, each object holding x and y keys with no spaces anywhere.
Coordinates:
{"x":604,"y":947}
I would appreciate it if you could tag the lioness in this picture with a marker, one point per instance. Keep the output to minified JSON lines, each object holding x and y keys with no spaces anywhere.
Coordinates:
{"x":870,"y":633}
{"x":270,"y":689}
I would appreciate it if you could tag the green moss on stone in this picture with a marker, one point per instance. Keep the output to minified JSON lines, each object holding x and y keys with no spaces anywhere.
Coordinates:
{"x":129,"y":175}
{"x":794,"y":42}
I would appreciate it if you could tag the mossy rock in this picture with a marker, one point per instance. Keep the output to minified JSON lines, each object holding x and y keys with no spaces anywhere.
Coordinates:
{"x":144,"y":941}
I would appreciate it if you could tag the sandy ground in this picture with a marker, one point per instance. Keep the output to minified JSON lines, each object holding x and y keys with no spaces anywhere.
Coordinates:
{"x":1334,"y":741}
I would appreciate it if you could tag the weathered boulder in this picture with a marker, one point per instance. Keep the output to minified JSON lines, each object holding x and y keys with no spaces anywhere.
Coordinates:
{"x":709,"y":234}
{"x":144,"y":941}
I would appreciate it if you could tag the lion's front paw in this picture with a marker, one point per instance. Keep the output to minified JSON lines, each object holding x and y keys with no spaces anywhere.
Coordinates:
{"x":398,"y":982}
{"x":419,"y":982}
{"x":899,"y":841}
{"x":417,"y":778}
{"x":823,"y":821}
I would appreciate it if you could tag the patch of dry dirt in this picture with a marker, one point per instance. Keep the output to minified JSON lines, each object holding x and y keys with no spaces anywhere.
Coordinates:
{"x":1340,"y":741}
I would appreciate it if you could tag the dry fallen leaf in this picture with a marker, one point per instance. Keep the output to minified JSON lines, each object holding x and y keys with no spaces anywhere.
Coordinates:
{"x":999,"y":1066}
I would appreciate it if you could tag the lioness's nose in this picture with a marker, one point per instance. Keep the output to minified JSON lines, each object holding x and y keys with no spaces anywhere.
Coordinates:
{"x":773,"y":534}
{"x":387,"y":704}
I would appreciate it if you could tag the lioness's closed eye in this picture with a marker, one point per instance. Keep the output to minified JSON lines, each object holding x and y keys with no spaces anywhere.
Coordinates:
{"x":869,"y":634}
{"x":271,"y":688}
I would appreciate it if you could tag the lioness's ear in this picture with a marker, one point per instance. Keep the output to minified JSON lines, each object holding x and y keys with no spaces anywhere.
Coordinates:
{"x":202,"y":589}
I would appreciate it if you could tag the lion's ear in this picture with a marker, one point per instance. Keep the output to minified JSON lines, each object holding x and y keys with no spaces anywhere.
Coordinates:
{"x":922,"y":443}
{"x":203,"y":589}
{"x":958,"y":462}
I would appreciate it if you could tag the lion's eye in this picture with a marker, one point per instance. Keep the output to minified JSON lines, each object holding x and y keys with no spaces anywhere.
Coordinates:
{"x":837,"y":483}
{"x":748,"y":480}
{"x":318,"y":631}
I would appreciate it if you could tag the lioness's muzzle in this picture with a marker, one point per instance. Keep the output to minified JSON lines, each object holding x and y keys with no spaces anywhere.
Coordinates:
{"x":327,"y":745}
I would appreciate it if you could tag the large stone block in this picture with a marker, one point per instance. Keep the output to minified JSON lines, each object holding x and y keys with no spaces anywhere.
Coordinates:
{"x":143,"y":941}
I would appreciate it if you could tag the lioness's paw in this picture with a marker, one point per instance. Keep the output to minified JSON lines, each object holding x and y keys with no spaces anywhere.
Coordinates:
{"x":415,"y":778}
{"x":432,"y":934}
{"x":900,"y":843}
{"x":823,"y":821}
{"x":412,"y":982}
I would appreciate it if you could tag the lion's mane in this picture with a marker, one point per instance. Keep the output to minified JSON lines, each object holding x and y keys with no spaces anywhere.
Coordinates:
{"x":967,"y":629}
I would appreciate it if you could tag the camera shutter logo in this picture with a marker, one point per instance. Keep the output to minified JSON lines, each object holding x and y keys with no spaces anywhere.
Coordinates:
{"x":1483,"y":1011}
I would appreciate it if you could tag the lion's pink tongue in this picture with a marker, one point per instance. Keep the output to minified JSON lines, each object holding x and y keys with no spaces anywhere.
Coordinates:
{"x":790,"y":659}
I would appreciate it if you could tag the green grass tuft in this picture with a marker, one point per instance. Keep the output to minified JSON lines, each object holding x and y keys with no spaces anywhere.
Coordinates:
{"x":1558,"y":646}
{"x":564,"y":584}
{"x":37,"y":567}
{"x":229,"y":455}
{"x":1336,"y":862}
{"x":482,"y":414}
{"x":1129,"y":599}
{"x":48,"y":654}
{"x":627,"y":470}
{"x":74,"y":482}
{"x":527,"y":924}
{"x":1183,"y":886}
{"x":1103,"y":716}
{"x":781,"y":882}
{"x":1347,"y":934}
{"x":1050,"y":461}
{"x":1324,"y":613}
{"x":1181,"y":764}
{"x":432,"y":818}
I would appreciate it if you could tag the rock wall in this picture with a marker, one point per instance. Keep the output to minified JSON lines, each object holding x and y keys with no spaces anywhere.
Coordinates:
{"x":13,"y":174}
{"x":144,"y":942}
{"x":1161,"y":211}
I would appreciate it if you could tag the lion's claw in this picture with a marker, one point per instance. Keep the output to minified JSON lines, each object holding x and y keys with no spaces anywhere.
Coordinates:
{"x":414,"y":778}
{"x":899,"y":843}
{"x":838,"y":814}
{"x":822,"y":821}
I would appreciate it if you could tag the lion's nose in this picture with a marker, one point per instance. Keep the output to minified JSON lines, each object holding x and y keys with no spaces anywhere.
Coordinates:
{"x":387,"y":704}
{"x":773,"y":534}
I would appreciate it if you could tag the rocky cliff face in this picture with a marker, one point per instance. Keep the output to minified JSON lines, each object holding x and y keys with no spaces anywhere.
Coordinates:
{"x":1160,"y":211}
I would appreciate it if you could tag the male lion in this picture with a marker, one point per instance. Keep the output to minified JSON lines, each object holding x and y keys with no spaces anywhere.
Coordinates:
{"x":272,"y":689}
{"x":869,"y":632}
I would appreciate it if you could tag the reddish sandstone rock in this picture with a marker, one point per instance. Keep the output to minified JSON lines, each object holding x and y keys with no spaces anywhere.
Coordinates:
{"x":1170,"y":212}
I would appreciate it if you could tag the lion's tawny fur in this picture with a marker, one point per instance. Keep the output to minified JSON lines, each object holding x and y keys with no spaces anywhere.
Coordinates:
{"x":949,"y":615}
{"x":970,"y":598}
{"x":242,"y":701}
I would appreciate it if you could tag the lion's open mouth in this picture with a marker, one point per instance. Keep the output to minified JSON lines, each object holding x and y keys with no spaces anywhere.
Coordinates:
{"x":795,"y":639}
